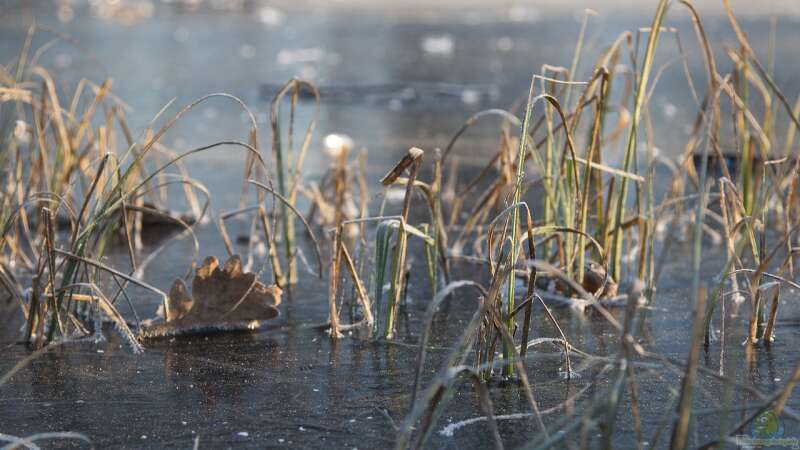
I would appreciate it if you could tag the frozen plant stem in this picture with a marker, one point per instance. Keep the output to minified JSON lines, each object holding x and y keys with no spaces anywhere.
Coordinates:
{"x":508,"y":351}
{"x":630,"y":149}
{"x":412,"y":160}
{"x":288,"y":165}
{"x":340,"y":180}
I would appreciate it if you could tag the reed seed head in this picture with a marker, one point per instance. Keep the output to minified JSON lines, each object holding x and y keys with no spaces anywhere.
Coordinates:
{"x":335,"y":144}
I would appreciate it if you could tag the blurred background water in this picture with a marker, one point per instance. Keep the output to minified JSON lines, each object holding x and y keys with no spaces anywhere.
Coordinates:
{"x":377,"y":65}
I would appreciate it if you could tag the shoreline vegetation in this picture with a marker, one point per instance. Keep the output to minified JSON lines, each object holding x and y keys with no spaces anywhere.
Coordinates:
{"x":547,"y":218}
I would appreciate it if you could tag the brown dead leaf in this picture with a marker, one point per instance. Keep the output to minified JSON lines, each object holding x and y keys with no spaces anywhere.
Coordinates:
{"x":597,"y":282}
{"x":223,"y":299}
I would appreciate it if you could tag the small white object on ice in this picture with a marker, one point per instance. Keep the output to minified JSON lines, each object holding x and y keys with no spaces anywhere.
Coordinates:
{"x":438,"y":44}
{"x":335,"y":144}
{"x":271,"y":16}
{"x":260,"y":249}
{"x":470,"y":96}
{"x":21,"y":132}
{"x":505,"y":44}
{"x":243,"y":433}
{"x":670,"y":110}
{"x":300,"y":55}
{"x":247,"y":51}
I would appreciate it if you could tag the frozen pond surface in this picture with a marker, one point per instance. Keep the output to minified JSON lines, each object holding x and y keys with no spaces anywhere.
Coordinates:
{"x":390,"y":84}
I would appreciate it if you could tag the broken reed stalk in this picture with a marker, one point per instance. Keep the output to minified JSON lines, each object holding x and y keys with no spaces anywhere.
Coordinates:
{"x":360,"y":290}
{"x":340,"y":187}
{"x":768,"y":335}
{"x":411,"y":161}
{"x":397,"y":280}
{"x":333,"y":284}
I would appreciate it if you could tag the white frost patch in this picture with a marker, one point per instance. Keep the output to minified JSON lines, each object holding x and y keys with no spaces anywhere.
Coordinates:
{"x":449,"y":430}
{"x":470,"y":96}
{"x":505,"y":44}
{"x":63,"y":60}
{"x":271,"y":17}
{"x":336,"y":144}
{"x":670,"y":110}
{"x":210,"y":113}
{"x":442,"y":44}
{"x":247,"y":51}
{"x":300,"y":55}
{"x":21,"y":132}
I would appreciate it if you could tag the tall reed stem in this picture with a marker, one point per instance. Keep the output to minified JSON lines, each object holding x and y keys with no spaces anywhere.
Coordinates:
{"x":508,"y":350}
{"x":630,"y":149}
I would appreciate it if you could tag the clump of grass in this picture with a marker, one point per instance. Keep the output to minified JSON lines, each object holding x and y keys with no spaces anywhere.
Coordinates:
{"x":83,"y":176}
{"x":594,"y":215}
